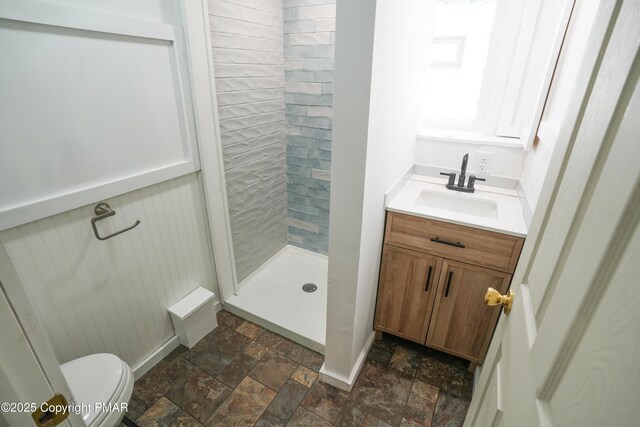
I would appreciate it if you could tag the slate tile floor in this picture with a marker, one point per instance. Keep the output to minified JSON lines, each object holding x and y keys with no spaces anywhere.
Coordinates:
{"x":243,"y":375}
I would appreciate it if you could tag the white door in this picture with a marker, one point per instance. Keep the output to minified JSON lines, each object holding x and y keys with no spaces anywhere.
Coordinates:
{"x":19,"y":367}
{"x":567,"y":354}
{"x":29,"y":371}
{"x":24,"y":384}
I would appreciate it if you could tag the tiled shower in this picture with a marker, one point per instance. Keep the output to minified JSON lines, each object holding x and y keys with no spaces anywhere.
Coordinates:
{"x":274,"y":69}
{"x":249,"y":73}
{"x":309,"y":40}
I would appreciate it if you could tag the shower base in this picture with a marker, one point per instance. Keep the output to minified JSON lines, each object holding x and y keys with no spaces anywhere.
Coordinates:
{"x":273,"y":297}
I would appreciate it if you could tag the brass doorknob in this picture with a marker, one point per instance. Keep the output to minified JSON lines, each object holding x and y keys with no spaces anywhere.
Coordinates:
{"x":493,"y":297}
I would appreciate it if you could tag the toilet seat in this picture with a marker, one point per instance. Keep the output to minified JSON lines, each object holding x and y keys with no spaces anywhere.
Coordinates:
{"x":99,"y":378}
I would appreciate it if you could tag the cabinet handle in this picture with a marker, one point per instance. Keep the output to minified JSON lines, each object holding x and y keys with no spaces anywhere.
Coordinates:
{"x":426,"y":287}
{"x":446,"y":291}
{"x":445,"y":242}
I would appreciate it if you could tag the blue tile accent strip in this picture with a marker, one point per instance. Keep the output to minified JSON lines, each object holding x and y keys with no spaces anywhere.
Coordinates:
{"x":301,"y":26}
{"x":304,"y":99}
{"x":308,"y":140}
{"x":301,"y":76}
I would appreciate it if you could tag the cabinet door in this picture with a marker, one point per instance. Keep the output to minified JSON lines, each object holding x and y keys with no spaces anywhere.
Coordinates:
{"x":407,"y":285}
{"x":461,"y":323}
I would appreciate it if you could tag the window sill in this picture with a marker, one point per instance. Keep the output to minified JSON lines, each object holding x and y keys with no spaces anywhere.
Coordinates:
{"x":468,"y":138}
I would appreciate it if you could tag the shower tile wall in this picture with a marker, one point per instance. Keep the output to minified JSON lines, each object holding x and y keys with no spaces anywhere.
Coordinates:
{"x":247,"y":41}
{"x":309,"y":38}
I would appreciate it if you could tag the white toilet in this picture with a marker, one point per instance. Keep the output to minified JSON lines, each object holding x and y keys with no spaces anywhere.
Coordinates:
{"x":99,"y":378}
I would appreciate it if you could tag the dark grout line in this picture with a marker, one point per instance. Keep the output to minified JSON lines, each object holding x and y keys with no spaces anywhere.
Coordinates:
{"x":415,"y":353}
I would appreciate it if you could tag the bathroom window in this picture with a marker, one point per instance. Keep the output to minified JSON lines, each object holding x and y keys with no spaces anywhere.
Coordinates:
{"x":458,"y":55}
{"x":447,"y":52}
{"x":488,"y":66}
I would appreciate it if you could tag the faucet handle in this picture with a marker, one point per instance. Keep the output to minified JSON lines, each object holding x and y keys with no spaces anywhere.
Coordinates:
{"x":452,"y":177}
{"x":472,"y":181}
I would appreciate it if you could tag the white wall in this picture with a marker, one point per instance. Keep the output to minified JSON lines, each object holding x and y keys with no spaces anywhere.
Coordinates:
{"x":112,"y":296}
{"x":504,"y":161}
{"x":90,"y":147}
{"x":397,"y":51}
{"x":352,"y":87}
{"x":374,"y":144}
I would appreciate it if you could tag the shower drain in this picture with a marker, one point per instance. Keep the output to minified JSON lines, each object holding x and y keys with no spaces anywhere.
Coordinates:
{"x":309,"y":287}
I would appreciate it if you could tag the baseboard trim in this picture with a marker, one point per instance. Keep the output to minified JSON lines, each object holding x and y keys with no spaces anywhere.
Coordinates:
{"x":143,"y":367}
{"x":341,"y":382}
{"x":161,"y":352}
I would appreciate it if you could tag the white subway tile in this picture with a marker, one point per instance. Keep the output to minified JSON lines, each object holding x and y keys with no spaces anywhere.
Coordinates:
{"x":303,"y":87}
{"x":294,"y":238}
{"x":320,"y":174}
{"x":241,"y":97}
{"x":252,"y":144}
{"x":227,"y":10}
{"x":303,"y":225}
{"x":254,"y":172}
{"x":235,"y":84}
{"x":309,"y":38}
{"x":316,"y":12}
{"x":319,"y":111}
{"x":326,"y":24}
{"x":268,"y":184}
{"x":254,"y":155}
{"x":293,"y":64}
{"x":252,"y":132}
{"x":244,"y":70}
{"x":236,"y":56}
{"x":269,"y":6}
{"x":249,"y":121}
{"x":250,"y":108}
{"x":233,"y":26}
{"x":235,"y":41}
{"x":292,"y":130}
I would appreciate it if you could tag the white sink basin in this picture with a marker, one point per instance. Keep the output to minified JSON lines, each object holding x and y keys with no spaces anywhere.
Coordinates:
{"x":459,"y":203}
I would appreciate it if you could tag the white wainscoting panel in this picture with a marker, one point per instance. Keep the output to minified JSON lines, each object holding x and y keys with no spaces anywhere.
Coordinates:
{"x":112,"y":296}
{"x":89,"y":101}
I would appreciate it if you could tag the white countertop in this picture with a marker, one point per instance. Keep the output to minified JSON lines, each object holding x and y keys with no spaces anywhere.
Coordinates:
{"x":507,"y":218}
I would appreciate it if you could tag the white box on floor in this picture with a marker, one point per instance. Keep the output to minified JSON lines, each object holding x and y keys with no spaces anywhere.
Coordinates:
{"x":194,"y":316}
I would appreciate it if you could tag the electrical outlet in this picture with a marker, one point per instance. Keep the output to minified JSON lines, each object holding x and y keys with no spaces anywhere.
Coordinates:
{"x":484,"y":164}
{"x":484,"y":161}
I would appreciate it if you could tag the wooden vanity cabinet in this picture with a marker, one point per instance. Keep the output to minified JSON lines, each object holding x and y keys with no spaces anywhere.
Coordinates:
{"x":407,"y":286}
{"x":461,"y":324}
{"x":432,"y":292}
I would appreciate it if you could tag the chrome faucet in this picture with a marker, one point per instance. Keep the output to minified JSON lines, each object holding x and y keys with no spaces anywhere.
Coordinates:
{"x":470,"y":188}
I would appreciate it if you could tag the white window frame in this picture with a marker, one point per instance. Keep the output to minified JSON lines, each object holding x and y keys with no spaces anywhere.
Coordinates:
{"x":518,"y":73}
{"x":52,"y":15}
{"x":532,"y":68}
